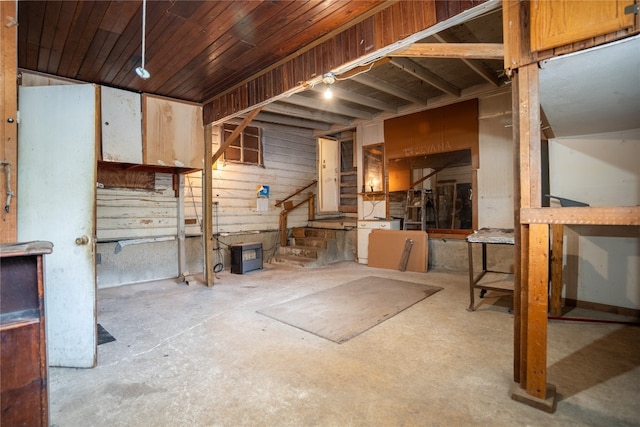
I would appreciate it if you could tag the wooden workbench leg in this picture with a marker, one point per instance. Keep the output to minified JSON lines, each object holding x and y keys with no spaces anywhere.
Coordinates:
{"x":556,"y":268}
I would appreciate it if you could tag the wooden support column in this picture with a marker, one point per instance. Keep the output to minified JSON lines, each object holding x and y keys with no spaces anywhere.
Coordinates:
{"x":182,"y":252}
{"x":207,"y":206}
{"x":8,"y":119}
{"x":534,"y":250}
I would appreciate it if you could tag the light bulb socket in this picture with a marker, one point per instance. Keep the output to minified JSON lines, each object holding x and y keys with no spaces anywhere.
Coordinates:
{"x":329,"y":78}
{"x":142,"y":73}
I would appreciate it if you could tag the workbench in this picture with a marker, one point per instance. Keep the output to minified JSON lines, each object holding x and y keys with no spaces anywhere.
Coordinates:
{"x":497,"y":280}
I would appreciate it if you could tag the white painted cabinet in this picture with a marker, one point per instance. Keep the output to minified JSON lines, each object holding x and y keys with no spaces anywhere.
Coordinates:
{"x":121,"y":112}
{"x":364,"y":228}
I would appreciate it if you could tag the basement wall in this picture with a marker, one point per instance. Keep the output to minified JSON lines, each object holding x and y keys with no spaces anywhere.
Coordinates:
{"x":494,"y":190}
{"x":135,"y":218}
{"x":601,"y":264}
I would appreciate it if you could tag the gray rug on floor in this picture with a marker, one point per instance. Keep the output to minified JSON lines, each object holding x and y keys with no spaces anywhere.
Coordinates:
{"x":345,"y":311}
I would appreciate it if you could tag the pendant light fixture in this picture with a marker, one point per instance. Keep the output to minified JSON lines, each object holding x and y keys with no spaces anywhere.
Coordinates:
{"x":141,"y":71}
{"x":328,"y":79}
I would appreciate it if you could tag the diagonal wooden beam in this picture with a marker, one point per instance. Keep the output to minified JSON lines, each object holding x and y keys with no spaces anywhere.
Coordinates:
{"x":453,"y":50}
{"x":477,"y":66}
{"x":235,"y":134}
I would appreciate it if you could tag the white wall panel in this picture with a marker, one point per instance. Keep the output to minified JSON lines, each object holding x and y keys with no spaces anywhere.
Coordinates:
{"x":495,"y":175}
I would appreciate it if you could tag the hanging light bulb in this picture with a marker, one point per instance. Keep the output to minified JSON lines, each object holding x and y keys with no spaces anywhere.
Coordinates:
{"x":142,"y":72}
{"x":328,"y":79}
{"x":327,"y":93}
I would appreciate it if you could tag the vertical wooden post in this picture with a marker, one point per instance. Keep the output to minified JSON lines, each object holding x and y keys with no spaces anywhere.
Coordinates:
{"x":182,"y":258}
{"x":207,"y":206}
{"x":8,"y":119}
{"x":557,"y":240}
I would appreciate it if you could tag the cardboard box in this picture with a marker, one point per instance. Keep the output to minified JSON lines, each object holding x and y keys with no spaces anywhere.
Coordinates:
{"x":386,"y":247}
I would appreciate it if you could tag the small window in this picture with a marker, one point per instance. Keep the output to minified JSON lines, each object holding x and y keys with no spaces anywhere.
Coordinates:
{"x":245,"y":149}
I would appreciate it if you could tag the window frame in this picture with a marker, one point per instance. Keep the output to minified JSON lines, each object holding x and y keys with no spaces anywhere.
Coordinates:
{"x":243,"y":145}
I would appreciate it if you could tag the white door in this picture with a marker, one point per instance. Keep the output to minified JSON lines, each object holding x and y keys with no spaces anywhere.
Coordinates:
{"x":328,"y":175}
{"x":56,"y":190}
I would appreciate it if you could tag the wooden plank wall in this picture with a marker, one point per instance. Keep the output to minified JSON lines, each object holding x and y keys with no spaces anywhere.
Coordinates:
{"x":289,"y":164}
{"x":388,"y":26}
{"x":133,"y":214}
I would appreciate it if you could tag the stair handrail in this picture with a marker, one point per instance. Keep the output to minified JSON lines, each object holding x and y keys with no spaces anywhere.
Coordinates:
{"x":279,"y":202}
{"x":288,"y":207}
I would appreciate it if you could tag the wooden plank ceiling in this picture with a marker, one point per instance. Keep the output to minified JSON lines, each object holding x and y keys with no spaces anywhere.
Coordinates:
{"x":196,"y":50}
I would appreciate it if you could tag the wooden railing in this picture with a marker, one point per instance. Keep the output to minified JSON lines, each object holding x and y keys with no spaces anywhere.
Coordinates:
{"x":289,"y":206}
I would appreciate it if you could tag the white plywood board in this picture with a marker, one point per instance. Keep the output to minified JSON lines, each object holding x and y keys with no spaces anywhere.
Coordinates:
{"x":121,"y":126}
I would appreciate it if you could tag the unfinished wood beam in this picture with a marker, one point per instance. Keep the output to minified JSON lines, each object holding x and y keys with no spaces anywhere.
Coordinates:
{"x":426,"y":76}
{"x":452,"y":50}
{"x":538,"y":282}
{"x":582,"y":215}
{"x":9,"y":123}
{"x":207,"y":205}
{"x":234,"y":135}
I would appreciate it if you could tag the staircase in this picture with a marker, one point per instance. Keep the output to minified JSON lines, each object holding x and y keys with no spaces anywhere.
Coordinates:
{"x":315,"y":247}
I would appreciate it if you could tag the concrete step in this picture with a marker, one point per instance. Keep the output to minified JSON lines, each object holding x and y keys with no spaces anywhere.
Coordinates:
{"x":299,"y":251}
{"x":296,"y":260}
{"x":312,"y":242}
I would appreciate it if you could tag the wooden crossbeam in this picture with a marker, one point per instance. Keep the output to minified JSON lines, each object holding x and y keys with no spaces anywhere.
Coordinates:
{"x":453,"y":50}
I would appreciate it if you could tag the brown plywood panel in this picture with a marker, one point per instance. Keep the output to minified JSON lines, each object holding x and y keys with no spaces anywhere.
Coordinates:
{"x":556,"y":22}
{"x":441,"y":130}
{"x":386,"y":247}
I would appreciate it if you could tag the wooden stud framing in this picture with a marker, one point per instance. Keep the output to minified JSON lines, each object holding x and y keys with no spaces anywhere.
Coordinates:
{"x":207,"y":206}
{"x":8,"y":117}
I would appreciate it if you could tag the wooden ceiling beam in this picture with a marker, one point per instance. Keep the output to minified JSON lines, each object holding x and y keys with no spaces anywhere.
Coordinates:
{"x":291,"y":110}
{"x":328,"y":106}
{"x":292,"y":121}
{"x":425,"y":75}
{"x":356,"y":98}
{"x":452,"y":50}
{"x":387,"y":87}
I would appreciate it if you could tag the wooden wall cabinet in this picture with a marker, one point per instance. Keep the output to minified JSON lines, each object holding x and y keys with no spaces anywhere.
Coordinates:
{"x":555,"y":22}
{"x":173,"y":133}
{"x":23,"y":356}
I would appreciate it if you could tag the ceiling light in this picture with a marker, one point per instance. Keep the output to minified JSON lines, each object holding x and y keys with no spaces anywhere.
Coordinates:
{"x":327,"y":93}
{"x":141,"y":71}
{"x":329,"y":78}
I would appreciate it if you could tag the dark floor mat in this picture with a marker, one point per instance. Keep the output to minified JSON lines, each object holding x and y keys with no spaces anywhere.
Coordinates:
{"x":104,"y":336}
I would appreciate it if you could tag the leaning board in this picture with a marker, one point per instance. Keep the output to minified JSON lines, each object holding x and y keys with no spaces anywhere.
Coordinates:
{"x":386,"y":246}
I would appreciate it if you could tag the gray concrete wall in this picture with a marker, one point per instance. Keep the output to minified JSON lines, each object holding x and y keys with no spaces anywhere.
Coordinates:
{"x":449,"y":254}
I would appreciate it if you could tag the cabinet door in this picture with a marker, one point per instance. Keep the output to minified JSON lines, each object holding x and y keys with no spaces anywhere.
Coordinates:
{"x":121,"y":126}
{"x":556,"y":23}
{"x":173,"y":133}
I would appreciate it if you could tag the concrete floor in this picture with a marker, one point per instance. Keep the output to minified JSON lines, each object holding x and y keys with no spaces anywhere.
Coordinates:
{"x":198,"y":356}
